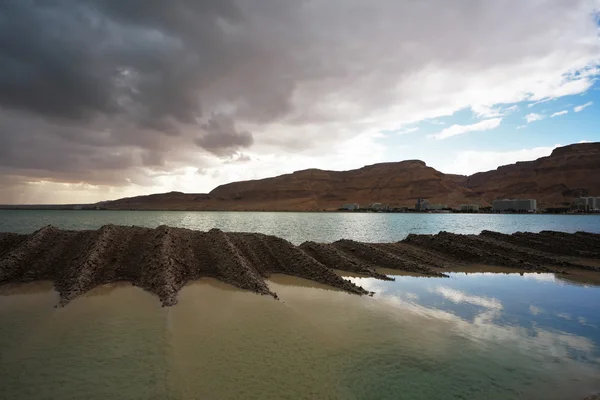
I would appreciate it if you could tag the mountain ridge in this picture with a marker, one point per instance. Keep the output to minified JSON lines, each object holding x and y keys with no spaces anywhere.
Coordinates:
{"x":569,"y":172}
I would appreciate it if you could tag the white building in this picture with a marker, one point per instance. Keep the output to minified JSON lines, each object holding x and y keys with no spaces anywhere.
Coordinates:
{"x":469,"y":207}
{"x":527,"y":205}
{"x":422,"y":205}
{"x":588,"y":203}
{"x":376,"y":206}
{"x":351,"y":207}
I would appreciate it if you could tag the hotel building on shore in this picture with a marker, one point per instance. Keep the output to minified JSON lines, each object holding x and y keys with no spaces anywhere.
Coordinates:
{"x":515,"y":205}
{"x":588,"y":203}
{"x":468,"y":207}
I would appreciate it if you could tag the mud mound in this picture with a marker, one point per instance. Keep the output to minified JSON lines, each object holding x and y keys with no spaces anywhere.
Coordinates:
{"x":164,"y":259}
{"x":490,"y":248}
{"x":330,"y":255}
{"x":380,"y":256}
{"x":581,"y":244}
{"x":160,"y":260}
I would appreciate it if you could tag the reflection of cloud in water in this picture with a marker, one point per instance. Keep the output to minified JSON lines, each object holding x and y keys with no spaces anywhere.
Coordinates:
{"x":411,"y":296}
{"x":582,"y":321}
{"x":369,"y":284}
{"x":535,"y":310}
{"x":564,"y":316}
{"x":542,"y":277}
{"x":536,"y":341}
{"x":456,"y":296}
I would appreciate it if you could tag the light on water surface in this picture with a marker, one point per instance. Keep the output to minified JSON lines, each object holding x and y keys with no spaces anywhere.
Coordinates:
{"x":300,"y":227}
{"x":491,"y":336}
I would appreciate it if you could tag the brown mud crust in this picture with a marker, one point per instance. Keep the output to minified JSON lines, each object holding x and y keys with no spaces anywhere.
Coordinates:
{"x":164,"y":259}
{"x":491,"y":248}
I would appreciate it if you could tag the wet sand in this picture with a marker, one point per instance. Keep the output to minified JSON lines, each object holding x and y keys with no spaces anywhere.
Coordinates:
{"x":163,"y":260}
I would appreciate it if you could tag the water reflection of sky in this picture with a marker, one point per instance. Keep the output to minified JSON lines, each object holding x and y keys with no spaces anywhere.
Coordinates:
{"x":536,"y":312}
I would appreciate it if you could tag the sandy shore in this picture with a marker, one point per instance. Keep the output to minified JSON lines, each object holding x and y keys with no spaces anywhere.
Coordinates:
{"x":164,"y":259}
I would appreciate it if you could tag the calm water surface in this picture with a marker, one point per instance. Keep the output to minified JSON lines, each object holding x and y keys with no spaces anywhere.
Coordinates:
{"x":476,"y":336}
{"x":300,"y":227}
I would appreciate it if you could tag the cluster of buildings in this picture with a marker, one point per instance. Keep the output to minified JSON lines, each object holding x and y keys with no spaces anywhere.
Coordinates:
{"x":505,"y":205}
{"x":468,"y":208}
{"x":587,"y":204}
{"x":372,"y":206}
{"x":582,"y":204}
{"x":423,"y":205}
{"x":516,"y":205}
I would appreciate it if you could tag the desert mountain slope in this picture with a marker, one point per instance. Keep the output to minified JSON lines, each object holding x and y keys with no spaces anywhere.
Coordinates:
{"x":394,"y":183}
{"x":554,"y":181}
{"x":569,"y":172}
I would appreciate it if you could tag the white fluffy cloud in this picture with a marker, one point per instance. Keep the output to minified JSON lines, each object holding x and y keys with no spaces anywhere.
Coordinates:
{"x":469,"y":162}
{"x":407,"y":130}
{"x":559,"y":113}
{"x":534,"y":117}
{"x":583,"y":106}
{"x":456,"y":130}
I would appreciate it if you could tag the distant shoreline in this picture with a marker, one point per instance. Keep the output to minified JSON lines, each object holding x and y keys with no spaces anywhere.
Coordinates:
{"x":71,"y":207}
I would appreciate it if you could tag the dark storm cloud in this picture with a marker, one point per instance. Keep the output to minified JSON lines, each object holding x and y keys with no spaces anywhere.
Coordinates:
{"x":110,"y":84}
{"x":36,"y":149}
{"x":44,"y":69}
{"x":111,"y":91}
{"x":222,"y":138}
{"x":75,"y":59}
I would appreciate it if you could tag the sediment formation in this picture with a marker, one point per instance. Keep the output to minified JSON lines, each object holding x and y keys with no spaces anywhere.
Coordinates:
{"x":164,"y":259}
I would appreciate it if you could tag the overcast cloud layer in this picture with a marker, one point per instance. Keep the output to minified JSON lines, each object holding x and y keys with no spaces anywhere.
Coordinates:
{"x":103,"y":98}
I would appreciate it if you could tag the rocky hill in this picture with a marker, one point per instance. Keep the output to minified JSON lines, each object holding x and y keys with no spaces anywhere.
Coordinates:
{"x":570,"y":172}
{"x":396,"y":183}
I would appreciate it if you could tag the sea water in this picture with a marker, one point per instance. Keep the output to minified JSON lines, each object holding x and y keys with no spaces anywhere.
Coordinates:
{"x":299,"y":227}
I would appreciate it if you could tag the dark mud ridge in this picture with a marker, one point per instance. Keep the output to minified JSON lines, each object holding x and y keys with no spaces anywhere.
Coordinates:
{"x":164,"y":259}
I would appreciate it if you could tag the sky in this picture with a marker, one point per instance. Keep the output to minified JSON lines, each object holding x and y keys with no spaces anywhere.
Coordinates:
{"x":102,"y":99}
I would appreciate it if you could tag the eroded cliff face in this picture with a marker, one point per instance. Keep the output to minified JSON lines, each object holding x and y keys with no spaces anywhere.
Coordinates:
{"x":554,"y":181}
{"x":164,"y":259}
{"x":570,"y":172}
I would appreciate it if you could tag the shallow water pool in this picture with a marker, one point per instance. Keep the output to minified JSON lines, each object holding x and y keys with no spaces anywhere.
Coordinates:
{"x":470,"y":336}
